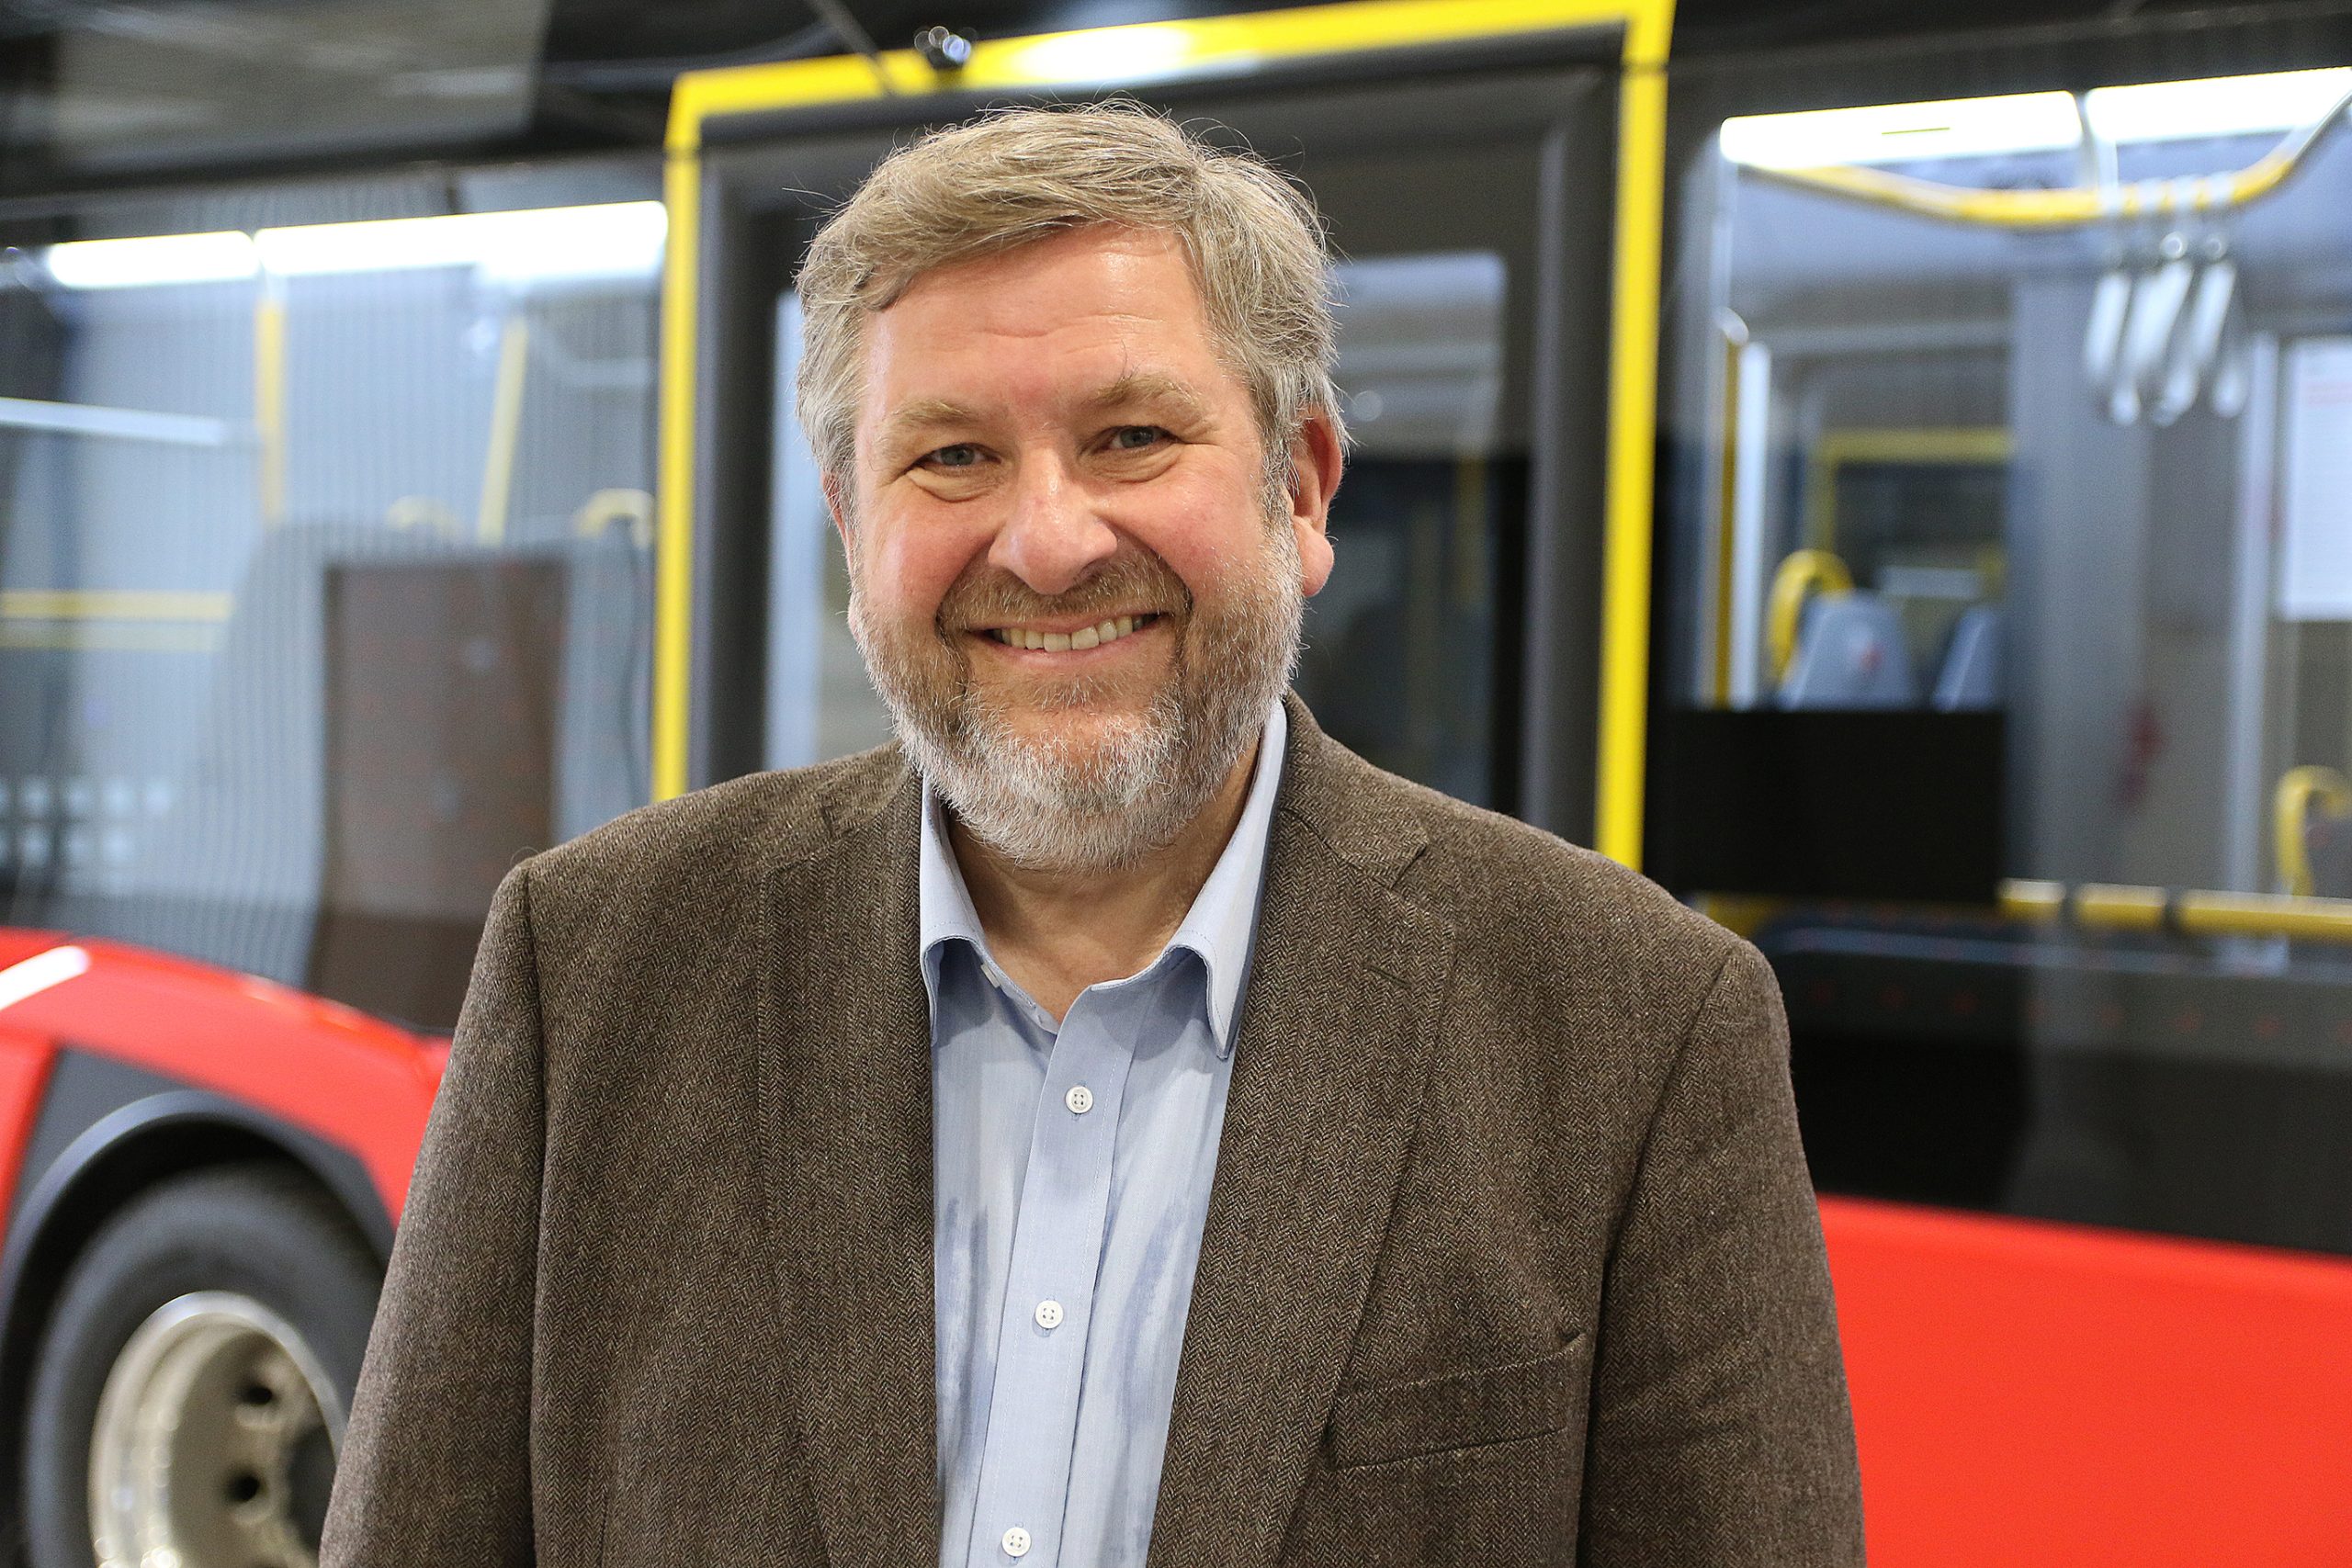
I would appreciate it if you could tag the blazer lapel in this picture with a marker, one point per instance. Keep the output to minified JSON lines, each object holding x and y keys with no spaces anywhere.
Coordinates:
{"x":1327,"y":1078}
{"x":845,"y":1103}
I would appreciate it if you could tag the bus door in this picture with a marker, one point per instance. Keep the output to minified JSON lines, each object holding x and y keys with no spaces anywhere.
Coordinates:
{"x":2009,"y":598}
{"x":1456,"y":642}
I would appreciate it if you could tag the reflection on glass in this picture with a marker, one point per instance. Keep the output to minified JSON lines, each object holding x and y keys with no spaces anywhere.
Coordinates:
{"x":324,"y":589}
{"x":1400,"y":645}
{"x":819,"y":702}
{"x":1977,"y":461}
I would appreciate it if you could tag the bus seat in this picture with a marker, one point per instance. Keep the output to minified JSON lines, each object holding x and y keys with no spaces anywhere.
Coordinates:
{"x":2310,"y":813}
{"x":1851,"y":654}
{"x":394,"y":715}
{"x":2327,"y":848}
{"x":1971,"y":676}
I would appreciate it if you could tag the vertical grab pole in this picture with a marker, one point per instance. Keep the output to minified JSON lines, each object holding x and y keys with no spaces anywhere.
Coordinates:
{"x":673,"y":562}
{"x":1632,"y":437}
{"x":505,"y":432}
{"x":269,"y":398}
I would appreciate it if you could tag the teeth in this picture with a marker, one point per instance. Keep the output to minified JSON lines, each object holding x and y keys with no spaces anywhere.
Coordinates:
{"x":1065,"y":642}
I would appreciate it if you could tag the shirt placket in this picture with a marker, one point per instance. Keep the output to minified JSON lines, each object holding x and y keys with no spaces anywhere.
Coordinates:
{"x":1049,"y":1288}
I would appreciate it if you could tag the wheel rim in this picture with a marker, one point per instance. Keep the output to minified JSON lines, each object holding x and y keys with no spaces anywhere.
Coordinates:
{"x":214,"y":1443}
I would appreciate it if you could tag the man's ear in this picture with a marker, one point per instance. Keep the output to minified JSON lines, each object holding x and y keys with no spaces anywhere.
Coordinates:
{"x":835,"y":504}
{"x":1315,"y":462}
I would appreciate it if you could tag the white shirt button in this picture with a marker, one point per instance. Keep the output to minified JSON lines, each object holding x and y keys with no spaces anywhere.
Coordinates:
{"x":1016,"y":1543}
{"x":1048,"y":1315}
{"x":1080,"y":1099}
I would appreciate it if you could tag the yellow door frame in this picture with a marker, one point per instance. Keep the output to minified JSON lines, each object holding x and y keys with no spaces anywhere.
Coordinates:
{"x":1216,"y":48}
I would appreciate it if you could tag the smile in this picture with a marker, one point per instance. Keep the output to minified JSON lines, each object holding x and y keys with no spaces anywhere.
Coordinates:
{"x":1068,"y":642}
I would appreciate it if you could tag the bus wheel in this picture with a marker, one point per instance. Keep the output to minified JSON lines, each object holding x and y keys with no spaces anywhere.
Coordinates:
{"x":191,"y":1390}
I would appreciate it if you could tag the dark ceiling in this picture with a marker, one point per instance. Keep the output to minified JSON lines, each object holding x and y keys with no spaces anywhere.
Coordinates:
{"x":611,"y":31}
{"x":98,"y":92}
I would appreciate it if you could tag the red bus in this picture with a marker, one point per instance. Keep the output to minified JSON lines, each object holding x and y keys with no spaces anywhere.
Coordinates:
{"x":1888,"y":483}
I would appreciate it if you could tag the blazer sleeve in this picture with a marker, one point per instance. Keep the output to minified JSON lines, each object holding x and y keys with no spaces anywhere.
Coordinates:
{"x":1720,"y":1430}
{"x":434,"y":1467}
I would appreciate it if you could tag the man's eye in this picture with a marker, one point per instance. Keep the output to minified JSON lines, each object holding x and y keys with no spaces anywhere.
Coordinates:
{"x":961,"y":456}
{"x":1135,"y":437}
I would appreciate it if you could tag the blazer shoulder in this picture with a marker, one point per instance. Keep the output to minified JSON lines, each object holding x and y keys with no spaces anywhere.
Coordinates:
{"x":1503,"y":883}
{"x":727,"y":833}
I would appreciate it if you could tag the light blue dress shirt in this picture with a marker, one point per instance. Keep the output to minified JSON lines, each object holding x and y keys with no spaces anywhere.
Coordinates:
{"x":1072,"y":1165}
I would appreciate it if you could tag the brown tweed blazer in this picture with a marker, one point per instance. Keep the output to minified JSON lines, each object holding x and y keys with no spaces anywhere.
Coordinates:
{"x":1510,"y":1257}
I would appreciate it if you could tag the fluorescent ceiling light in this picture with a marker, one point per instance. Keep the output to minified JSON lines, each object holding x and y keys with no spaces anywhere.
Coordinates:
{"x":151,"y":259}
{"x":2034,"y":122}
{"x":549,"y":241}
{"x":2221,"y":106}
{"x":1894,"y":133}
{"x":1139,"y":52}
{"x":613,"y":239}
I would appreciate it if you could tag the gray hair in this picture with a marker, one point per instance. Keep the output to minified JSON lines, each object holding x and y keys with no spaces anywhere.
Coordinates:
{"x":1253,"y":239}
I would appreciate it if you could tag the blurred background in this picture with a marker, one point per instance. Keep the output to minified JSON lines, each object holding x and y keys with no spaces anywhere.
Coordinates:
{"x":1885,"y":471}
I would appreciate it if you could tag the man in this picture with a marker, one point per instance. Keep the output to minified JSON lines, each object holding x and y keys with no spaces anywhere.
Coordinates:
{"x":1115,"y":1123}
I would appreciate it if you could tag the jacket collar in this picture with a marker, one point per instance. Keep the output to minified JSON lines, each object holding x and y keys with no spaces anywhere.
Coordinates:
{"x":1219,"y":927}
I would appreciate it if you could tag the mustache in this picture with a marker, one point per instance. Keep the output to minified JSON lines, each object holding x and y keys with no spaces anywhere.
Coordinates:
{"x":1134,"y":580}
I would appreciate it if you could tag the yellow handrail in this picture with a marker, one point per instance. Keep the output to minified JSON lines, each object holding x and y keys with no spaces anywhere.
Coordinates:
{"x":1800,"y":577}
{"x":2290,"y":813}
{"x":2100,"y":906}
{"x":2069,"y":207}
{"x":606,"y":507}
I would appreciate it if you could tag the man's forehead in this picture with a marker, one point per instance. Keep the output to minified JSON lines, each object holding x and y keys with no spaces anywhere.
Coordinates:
{"x":1090,"y":289}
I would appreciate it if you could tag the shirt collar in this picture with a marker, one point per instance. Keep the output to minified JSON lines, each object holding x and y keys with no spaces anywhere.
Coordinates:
{"x":1220,"y":928}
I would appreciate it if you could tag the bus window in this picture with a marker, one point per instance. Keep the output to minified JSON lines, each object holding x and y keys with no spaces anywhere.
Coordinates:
{"x":324,"y":568}
{"x":2012,"y":611}
{"x":1401,"y":644}
{"x":819,"y":703}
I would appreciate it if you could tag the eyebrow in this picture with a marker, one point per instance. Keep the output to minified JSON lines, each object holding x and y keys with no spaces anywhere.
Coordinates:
{"x":1151,"y":387}
{"x":1143,"y":388}
{"x":923,"y":414}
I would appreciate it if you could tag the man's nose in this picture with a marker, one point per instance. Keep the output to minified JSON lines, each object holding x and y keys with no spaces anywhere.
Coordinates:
{"x":1052,"y":537}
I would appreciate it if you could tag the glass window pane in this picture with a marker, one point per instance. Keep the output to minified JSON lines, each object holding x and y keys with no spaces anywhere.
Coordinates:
{"x":1400,"y":645}
{"x":2031,"y":515}
{"x":819,"y":702}
{"x":325,"y":580}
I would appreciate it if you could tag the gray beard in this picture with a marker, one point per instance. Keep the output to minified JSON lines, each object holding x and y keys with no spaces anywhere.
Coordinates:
{"x":1061,"y":805}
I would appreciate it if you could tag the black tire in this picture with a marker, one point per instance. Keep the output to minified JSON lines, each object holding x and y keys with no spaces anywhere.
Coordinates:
{"x":261,"y":1231}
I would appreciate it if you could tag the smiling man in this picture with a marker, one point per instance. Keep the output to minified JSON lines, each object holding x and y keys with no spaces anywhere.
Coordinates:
{"x":1114,"y":1123}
